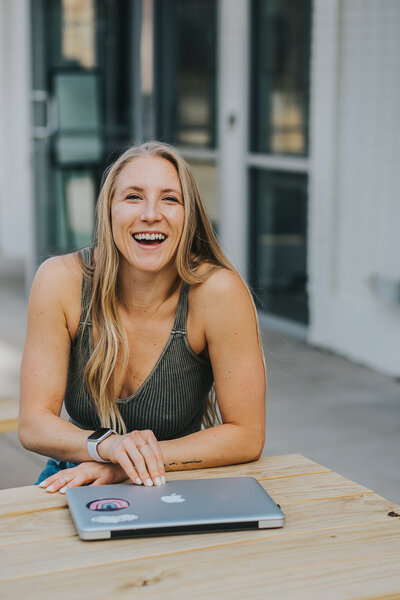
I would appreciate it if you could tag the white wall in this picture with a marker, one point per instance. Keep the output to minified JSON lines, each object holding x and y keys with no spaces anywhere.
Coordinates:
{"x":16,"y":192}
{"x":355,"y":184}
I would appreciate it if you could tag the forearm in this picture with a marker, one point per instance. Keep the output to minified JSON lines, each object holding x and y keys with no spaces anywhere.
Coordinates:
{"x":215,"y":447}
{"x":47,"y":434}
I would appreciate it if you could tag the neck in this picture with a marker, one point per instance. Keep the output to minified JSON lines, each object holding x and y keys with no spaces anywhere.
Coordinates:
{"x":144,"y":292}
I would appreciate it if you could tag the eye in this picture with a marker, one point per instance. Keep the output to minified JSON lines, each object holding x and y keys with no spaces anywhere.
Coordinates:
{"x":171,"y":199}
{"x":133,"y":197}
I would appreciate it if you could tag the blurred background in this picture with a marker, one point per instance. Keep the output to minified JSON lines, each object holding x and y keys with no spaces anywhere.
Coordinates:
{"x":288,"y":112}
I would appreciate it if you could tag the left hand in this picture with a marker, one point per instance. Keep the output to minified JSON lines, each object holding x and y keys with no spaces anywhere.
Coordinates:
{"x":86,"y":473}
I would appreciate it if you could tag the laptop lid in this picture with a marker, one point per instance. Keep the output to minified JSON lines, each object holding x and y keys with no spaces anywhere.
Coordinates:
{"x":192,"y":505}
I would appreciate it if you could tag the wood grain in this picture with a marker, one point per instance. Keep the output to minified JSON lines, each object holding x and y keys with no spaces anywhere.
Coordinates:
{"x":268,"y":467}
{"x":71,"y":553}
{"x":338,"y":542}
{"x":29,"y":499}
{"x":354,"y":559}
{"x":324,"y":514}
{"x":16,"y":501}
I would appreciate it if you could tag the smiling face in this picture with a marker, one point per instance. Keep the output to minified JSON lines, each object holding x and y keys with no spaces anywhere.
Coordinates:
{"x":147,"y":213}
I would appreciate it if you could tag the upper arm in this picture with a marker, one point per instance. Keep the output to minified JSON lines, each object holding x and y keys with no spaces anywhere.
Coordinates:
{"x":234,"y":349}
{"x":46,"y":353}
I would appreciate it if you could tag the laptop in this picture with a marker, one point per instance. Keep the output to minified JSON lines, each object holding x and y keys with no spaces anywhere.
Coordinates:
{"x":190,"y":506}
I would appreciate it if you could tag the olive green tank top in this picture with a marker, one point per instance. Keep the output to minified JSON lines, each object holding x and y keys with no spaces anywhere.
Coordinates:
{"x":171,"y":400}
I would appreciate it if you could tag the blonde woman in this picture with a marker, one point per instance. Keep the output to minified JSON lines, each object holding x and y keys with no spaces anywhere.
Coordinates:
{"x":138,"y":336}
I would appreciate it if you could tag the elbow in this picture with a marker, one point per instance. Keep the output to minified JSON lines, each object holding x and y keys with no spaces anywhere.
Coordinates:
{"x":25,"y":436}
{"x":256,"y":445}
{"x":259,"y":443}
{"x":257,"y":453}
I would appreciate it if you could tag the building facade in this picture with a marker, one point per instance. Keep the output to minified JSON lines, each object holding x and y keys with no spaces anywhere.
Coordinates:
{"x":287,"y":111}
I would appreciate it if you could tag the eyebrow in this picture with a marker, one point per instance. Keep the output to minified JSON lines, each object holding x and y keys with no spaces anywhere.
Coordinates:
{"x":141,"y":189}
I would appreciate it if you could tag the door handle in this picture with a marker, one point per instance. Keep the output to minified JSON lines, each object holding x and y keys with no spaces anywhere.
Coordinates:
{"x":49,"y":127}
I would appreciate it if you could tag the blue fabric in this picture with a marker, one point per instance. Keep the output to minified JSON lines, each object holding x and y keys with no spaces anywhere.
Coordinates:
{"x":52,"y":467}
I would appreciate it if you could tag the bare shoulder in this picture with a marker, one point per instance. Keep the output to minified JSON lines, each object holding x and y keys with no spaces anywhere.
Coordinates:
{"x":58,"y":274}
{"x":221,"y":284}
{"x":57,"y":287}
{"x":223,"y":295}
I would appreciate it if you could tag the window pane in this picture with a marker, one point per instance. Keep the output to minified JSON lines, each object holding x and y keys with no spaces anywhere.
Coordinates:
{"x":185,"y":71}
{"x":206,"y":176}
{"x":279,"y":243}
{"x":280,"y":75}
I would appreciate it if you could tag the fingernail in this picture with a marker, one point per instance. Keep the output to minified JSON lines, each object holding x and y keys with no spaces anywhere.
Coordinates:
{"x":43,"y":483}
{"x":157,"y":481}
{"x":163,"y":479}
{"x":149,"y":482}
{"x":139,"y":481}
{"x":62,"y":491}
{"x":50,"y":488}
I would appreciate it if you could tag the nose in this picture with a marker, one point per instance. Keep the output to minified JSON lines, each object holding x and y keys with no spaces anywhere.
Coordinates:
{"x":150,"y":212}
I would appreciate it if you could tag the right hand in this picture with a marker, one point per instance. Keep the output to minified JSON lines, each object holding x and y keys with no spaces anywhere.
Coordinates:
{"x":138,"y":453}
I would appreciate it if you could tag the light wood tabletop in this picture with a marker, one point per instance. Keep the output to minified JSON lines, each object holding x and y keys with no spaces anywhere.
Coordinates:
{"x":340,"y":540}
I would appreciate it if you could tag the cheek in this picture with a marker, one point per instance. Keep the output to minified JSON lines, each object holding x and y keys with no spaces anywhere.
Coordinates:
{"x":116,"y":220}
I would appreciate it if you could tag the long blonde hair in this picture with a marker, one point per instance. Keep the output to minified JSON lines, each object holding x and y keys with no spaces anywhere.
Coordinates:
{"x":197,"y":245}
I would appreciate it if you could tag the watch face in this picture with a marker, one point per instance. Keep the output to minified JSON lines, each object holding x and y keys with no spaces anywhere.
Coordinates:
{"x":96,"y":435}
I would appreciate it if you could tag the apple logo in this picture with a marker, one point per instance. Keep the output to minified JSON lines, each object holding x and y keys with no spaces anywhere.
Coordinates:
{"x":172,"y":498}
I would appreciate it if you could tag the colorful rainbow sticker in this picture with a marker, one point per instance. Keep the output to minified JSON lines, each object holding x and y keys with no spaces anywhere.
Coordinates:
{"x":108,"y":504}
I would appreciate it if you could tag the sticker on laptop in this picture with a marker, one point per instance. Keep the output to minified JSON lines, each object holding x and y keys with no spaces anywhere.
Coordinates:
{"x":108,"y":504}
{"x":114,"y":518}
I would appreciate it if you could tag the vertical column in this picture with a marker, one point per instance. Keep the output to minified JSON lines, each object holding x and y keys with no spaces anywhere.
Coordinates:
{"x":325,"y":89}
{"x":16,"y":192}
{"x":234,"y":16}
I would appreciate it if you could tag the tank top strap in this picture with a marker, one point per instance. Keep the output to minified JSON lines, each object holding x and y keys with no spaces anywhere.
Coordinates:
{"x":181,"y":311}
{"x":87,"y":255}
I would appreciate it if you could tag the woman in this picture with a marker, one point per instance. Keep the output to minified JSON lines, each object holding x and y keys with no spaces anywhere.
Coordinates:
{"x":133,"y":334}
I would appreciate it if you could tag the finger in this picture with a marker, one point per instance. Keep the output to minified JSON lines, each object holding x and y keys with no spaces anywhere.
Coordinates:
{"x":150,"y":457}
{"x":99,"y":481}
{"x":56,"y":483}
{"x":131,"y":462}
{"x":53,"y":478}
{"x":80,"y":479}
{"x":155,"y":446}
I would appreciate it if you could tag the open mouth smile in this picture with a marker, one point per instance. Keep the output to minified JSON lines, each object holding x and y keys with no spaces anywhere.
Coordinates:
{"x":147,"y":238}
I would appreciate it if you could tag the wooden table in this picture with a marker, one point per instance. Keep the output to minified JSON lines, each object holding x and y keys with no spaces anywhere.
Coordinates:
{"x":341,"y":540}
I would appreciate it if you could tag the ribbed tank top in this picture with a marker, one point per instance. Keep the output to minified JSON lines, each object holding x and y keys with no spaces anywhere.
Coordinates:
{"x":171,"y":400}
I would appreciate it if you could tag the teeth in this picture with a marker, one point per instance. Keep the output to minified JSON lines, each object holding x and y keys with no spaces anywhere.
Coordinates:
{"x":149,"y":236}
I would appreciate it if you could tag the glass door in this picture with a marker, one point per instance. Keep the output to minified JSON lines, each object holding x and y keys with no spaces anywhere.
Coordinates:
{"x":83,"y":82}
{"x":279,"y":166}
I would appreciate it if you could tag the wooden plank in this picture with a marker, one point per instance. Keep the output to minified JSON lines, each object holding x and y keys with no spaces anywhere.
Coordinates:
{"x":353,"y":562}
{"x":29,"y":499}
{"x":36,"y":527}
{"x":365,"y":579}
{"x":301,"y":517}
{"x":268,"y":467}
{"x":17,"y":501}
{"x":8,"y":415}
{"x":24,"y":499}
{"x":71,"y":553}
{"x":312,"y":487}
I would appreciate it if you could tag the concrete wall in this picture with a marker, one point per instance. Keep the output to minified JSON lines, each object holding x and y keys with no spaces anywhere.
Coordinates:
{"x":355,"y":188}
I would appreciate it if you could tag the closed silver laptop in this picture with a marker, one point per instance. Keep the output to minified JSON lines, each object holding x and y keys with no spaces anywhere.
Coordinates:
{"x":193,"y":505}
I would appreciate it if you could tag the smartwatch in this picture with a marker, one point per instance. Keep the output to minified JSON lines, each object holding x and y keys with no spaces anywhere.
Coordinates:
{"x":94,"y":440}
